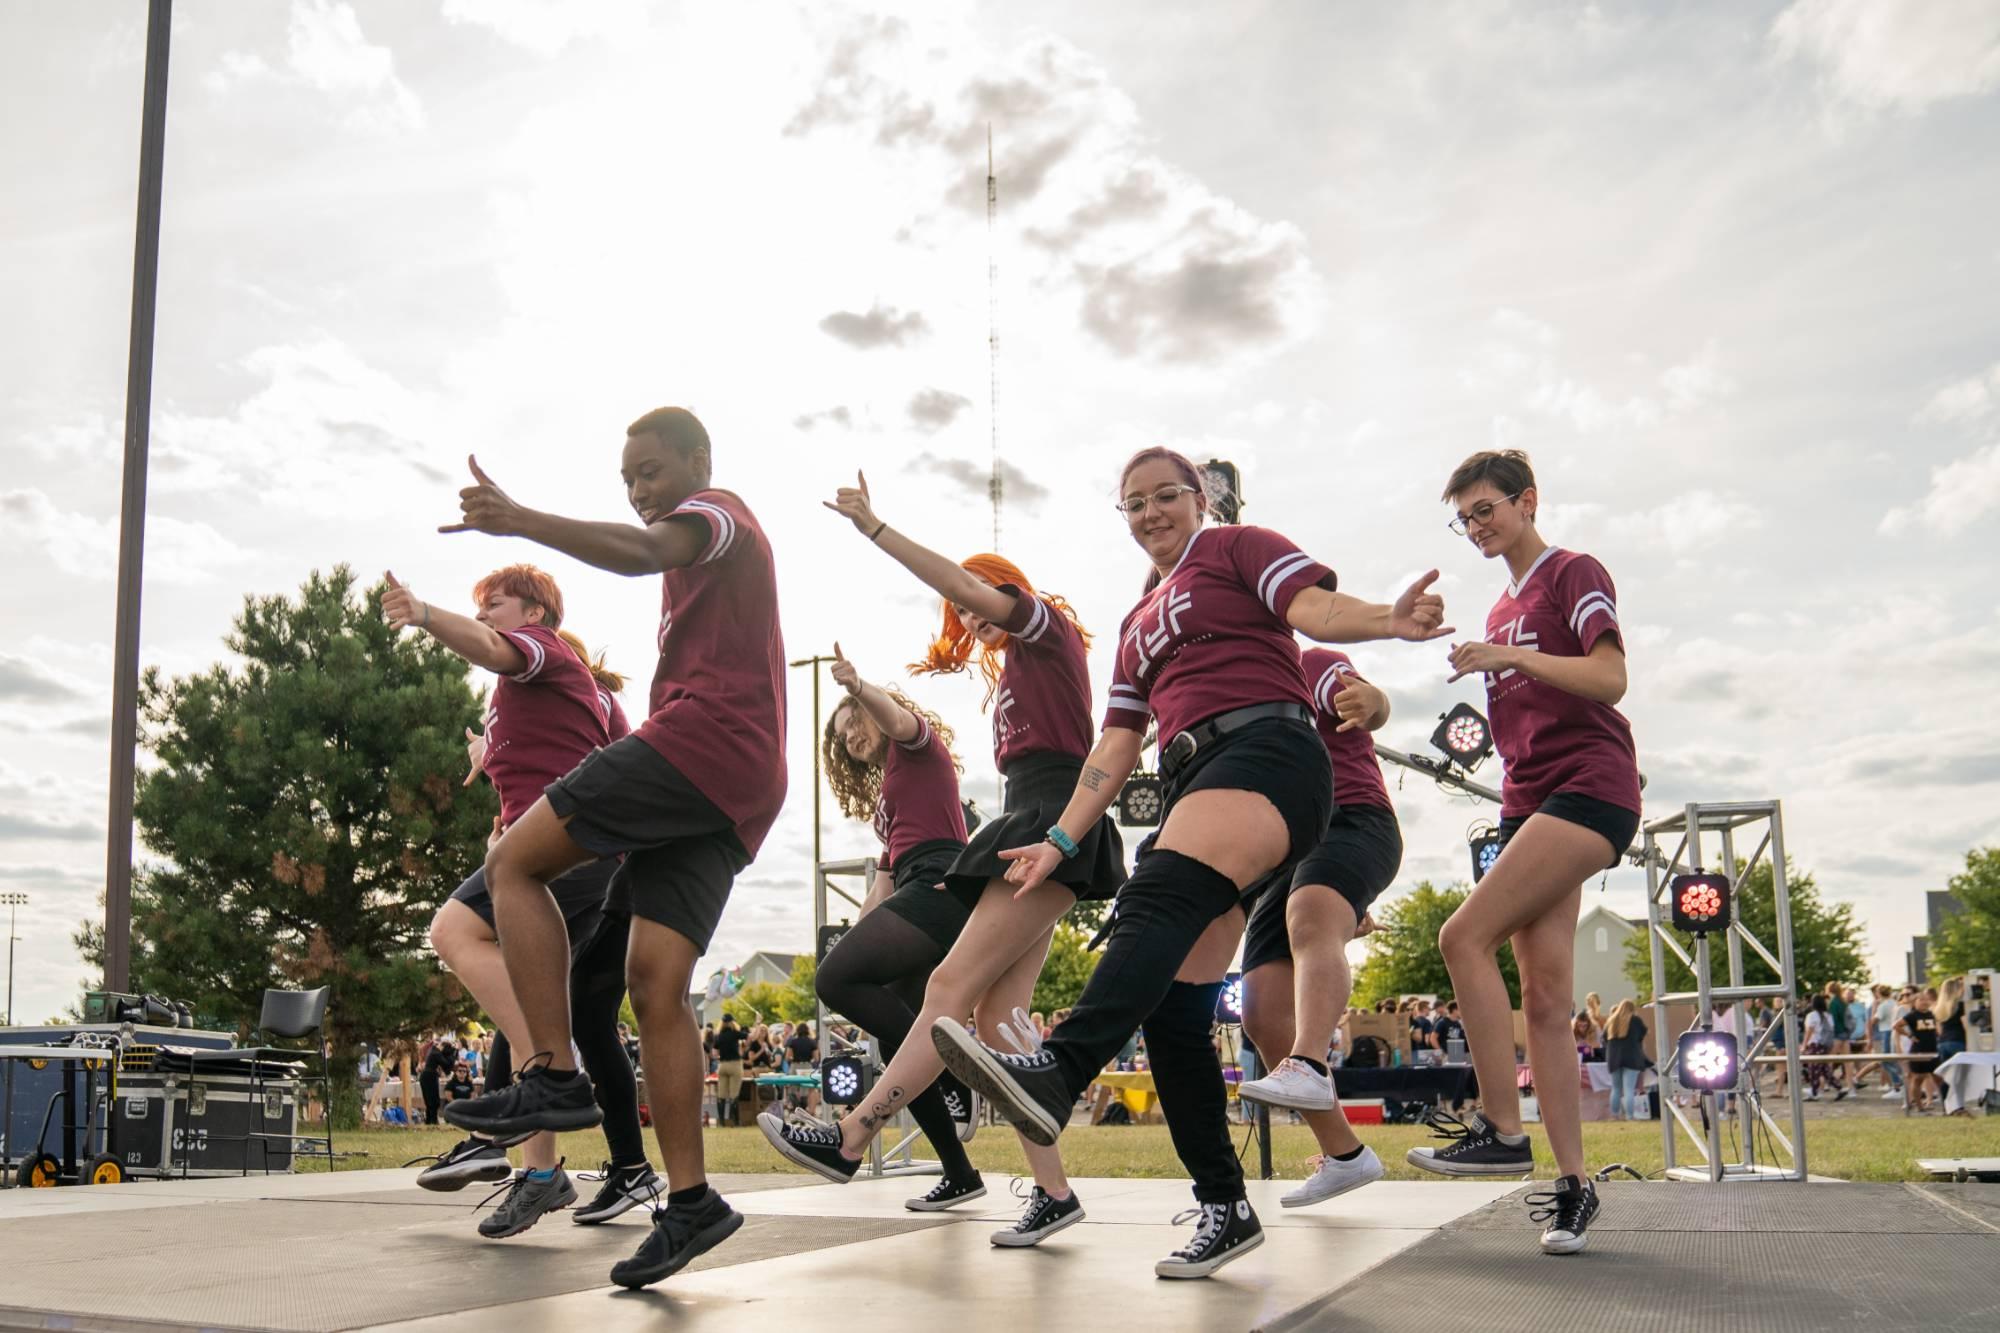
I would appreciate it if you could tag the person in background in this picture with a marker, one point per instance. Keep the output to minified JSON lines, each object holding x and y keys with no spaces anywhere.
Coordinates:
{"x":1584,"y":1033}
{"x":1920,"y":1029}
{"x":459,"y":1086}
{"x":1951,"y":1028}
{"x":728,"y":1073}
{"x":1593,"y":1009}
{"x":1836,"y":1009}
{"x":1882,"y":1018}
{"x":439,"y":1057}
{"x":1446,"y":1029}
{"x":1625,"y":1058}
{"x":1818,"y":1040}
{"x":708,"y":1045}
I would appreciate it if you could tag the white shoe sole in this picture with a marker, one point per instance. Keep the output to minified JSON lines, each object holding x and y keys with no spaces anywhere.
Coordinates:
{"x":625,"y":1203}
{"x":1165,"y":1268}
{"x":774,"y":1132}
{"x":447,"y":1179}
{"x":975,"y":1067}
{"x":1250,"y":1092}
{"x":1425,"y":1161}
{"x":1015,"y":1240}
{"x":1570,"y":1246}
{"x":1368,"y":1176}
{"x":924,"y":1206}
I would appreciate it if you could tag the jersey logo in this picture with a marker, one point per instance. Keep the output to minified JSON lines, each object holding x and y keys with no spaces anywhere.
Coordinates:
{"x":1514,"y":634}
{"x":1151,"y":645}
{"x":1001,"y":726}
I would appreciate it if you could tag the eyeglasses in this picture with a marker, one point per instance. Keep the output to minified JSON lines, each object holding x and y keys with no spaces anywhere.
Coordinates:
{"x":1480,"y":513}
{"x":1134,"y":505}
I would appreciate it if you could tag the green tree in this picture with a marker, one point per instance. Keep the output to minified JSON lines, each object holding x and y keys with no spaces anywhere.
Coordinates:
{"x":1826,"y":939}
{"x":1065,"y":971}
{"x":790,"y":1001}
{"x":307,"y":811}
{"x":1970,"y":937}
{"x":1403,"y":956}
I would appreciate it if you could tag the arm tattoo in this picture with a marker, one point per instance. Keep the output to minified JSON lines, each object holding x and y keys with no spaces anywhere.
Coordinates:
{"x":1092,"y":778}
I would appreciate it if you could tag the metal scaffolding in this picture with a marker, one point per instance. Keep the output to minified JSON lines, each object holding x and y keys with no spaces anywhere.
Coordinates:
{"x":1725,"y":821}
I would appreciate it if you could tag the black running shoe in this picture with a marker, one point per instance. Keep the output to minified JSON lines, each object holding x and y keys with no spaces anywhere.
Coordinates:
{"x":962,"y":1104}
{"x":680,"y":1232}
{"x":1568,"y":1210}
{"x":528,"y":1201}
{"x":1475,"y":1149}
{"x":623,"y":1188}
{"x":470,"y":1159}
{"x":1043,"y":1217}
{"x":1223,"y":1231}
{"x":946,"y":1193}
{"x":812,"y":1144}
{"x":1027,"y":1088}
{"x":537,"y":1100}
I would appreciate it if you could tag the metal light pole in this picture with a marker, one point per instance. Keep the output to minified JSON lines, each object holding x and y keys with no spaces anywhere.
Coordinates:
{"x":132,"y":512}
{"x":13,"y":902}
{"x":814,"y":662}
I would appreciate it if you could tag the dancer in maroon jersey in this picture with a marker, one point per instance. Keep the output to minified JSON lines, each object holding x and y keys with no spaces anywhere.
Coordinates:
{"x":1209,"y":653}
{"x":1554,"y":663}
{"x":1295,"y":974}
{"x":1031,"y":652}
{"x":550,"y":707}
{"x":687,"y":798}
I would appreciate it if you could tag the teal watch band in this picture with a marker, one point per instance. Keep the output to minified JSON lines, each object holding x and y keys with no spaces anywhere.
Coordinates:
{"x":1060,"y":840}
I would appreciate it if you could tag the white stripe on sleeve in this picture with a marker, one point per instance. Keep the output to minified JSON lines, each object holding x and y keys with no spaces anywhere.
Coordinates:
{"x":1324,"y":691}
{"x":532,"y":650}
{"x":723,"y":528}
{"x":1124,"y":696}
{"x":1590,"y":605}
{"x":1038,"y":619}
{"x":1276,"y":573}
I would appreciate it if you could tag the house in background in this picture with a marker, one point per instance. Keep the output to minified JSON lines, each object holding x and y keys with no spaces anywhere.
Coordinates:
{"x":764,"y":965}
{"x":1600,"y":957}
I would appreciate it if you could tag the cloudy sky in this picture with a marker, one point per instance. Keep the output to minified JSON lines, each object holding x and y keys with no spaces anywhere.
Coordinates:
{"x":1727,"y":271}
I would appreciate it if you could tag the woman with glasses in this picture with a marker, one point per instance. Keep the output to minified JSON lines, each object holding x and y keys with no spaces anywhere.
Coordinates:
{"x":1030,"y":651}
{"x":1554,"y":664}
{"x":1208,"y":653}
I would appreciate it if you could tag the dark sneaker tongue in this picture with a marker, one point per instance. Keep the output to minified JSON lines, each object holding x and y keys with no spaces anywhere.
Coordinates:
{"x":1571,"y":1185}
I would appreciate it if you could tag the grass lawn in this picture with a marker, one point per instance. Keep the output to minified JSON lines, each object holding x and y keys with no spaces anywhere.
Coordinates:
{"x":1861,"y":1149}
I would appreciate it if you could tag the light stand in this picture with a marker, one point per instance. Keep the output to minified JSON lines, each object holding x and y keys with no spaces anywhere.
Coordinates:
{"x":13,"y":902}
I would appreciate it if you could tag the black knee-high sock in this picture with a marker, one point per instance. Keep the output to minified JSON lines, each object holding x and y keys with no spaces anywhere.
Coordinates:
{"x":596,"y":989}
{"x":499,"y":1064}
{"x":1162,"y":911}
{"x":865,"y":978}
{"x":1187,"y":1073}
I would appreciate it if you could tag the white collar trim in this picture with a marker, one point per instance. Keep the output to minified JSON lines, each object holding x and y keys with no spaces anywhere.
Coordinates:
{"x":1514,"y":588}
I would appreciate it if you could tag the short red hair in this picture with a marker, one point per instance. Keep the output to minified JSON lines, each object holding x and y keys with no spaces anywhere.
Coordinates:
{"x":952,"y":650}
{"x":533,"y":586}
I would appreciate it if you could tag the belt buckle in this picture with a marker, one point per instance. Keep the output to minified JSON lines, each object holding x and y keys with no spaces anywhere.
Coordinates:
{"x":1179,"y":750}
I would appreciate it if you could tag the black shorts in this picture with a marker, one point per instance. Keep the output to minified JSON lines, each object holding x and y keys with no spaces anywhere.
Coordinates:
{"x":1282,"y":760}
{"x":1614,"y":823}
{"x":1358,"y":858}
{"x":1038,"y":789}
{"x":579,"y":896}
{"x":682,"y":854}
{"x":920,"y":897}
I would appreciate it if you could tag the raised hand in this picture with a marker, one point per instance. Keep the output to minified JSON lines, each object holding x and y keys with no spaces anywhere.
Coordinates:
{"x":1479,"y":658}
{"x":1031,"y":865}
{"x":475,"y":755}
{"x":844,"y":674}
{"x":852,"y":504}
{"x":401,"y":607}
{"x":1354,"y":704}
{"x":1418,"y":615}
{"x":485,"y":507}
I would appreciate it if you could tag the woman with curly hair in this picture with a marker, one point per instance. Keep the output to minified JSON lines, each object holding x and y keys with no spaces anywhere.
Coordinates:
{"x":1029,"y":651}
{"x":890,"y":762}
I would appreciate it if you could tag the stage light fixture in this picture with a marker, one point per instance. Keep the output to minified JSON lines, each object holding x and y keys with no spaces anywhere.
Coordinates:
{"x":1229,"y":1004}
{"x":1224,"y":483}
{"x":1707,"y":1061}
{"x":1485,"y":850}
{"x":1141,"y":800}
{"x":1700,"y":903}
{"x":843,"y":1079}
{"x":1463,"y":737}
{"x":829,"y":935}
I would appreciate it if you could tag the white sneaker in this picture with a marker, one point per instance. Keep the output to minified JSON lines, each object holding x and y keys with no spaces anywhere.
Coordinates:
{"x":1892,"y":1095}
{"x":1331,"y":1177}
{"x":1293,"y":1083}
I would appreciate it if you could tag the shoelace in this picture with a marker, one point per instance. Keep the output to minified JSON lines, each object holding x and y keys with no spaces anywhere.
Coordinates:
{"x":1315,"y":1162}
{"x":940,"y":1190}
{"x":1026,"y":1040}
{"x":1213,"y":1217}
{"x":1296,"y":1066}
{"x":1565,"y":1206}
{"x":814,"y":1133}
{"x":513,"y":1185}
{"x":463,"y":1148}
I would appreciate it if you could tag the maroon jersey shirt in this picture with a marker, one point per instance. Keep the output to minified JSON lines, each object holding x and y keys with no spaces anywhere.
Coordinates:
{"x":718,"y":698}
{"x":615,"y":712}
{"x":919,"y":800}
{"x":1042,"y":705}
{"x":1357,"y":774}
{"x":1552,"y":740}
{"x":1212,"y":636}
{"x":541,"y":721}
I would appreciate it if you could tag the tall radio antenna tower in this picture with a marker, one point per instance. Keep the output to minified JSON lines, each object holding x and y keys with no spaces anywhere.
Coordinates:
{"x":993,"y":486}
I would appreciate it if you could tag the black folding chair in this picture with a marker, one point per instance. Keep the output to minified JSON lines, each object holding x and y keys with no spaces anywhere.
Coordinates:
{"x":287,"y":1015}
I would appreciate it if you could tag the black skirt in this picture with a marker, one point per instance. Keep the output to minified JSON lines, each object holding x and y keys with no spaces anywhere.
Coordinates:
{"x":1038,"y":790}
{"x":917,"y":899}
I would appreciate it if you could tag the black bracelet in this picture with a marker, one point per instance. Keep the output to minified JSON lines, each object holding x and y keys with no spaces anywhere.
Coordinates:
{"x":878,"y":529}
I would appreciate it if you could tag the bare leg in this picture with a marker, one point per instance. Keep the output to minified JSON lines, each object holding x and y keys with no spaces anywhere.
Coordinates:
{"x":1267,"y":1017}
{"x":1319,"y":923}
{"x":1546,"y":952}
{"x":533,"y":938}
{"x":471,"y":950}
{"x":659,"y":966}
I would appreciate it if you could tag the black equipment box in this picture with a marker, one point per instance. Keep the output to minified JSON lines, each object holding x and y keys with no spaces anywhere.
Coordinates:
{"x":25,"y":1090}
{"x":161,"y":1118}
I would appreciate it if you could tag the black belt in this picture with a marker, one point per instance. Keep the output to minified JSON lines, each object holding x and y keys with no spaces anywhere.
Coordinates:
{"x":1176,"y":753}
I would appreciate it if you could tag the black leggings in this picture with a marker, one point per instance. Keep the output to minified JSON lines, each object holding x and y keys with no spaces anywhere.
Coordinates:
{"x":1187,"y":1073}
{"x":428,"y":1083}
{"x":596,"y":990}
{"x":876,"y":976}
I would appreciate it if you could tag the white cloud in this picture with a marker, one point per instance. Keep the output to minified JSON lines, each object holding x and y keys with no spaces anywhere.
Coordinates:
{"x":326,"y":51}
{"x":1520,"y":362}
{"x":545,"y":27}
{"x":1878,"y":56}
{"x":1962,"y":491}
{"x":177,"y":550}
{"x":1967,"y":400}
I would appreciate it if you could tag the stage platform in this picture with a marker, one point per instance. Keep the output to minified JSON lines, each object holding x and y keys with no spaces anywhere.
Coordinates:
{"x":367,"y":1249}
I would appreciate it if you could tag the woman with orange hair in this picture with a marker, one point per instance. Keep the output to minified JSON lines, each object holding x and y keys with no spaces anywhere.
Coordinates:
{"x":1030,"y":651}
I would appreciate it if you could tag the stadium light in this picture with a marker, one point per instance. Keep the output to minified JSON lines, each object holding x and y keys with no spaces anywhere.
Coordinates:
{"x":1463,"y":737}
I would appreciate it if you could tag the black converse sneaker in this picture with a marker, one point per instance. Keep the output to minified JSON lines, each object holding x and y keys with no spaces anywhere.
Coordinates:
{"x":1043,"y":1217}
{"x":537,"y":1100}
{"x":1223,"y":1231}
{"x":1568,"y":1209}
{"x":623,"y":1188}
{"x":810,"y":1144}
{"x":1475,"y":1149}
{"x":1026,"y":1088}
{"x":471,"y":1159}
{"x":946,"y":1193}
{"x":680,"y":1232}
{"x":962,"y":1104}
